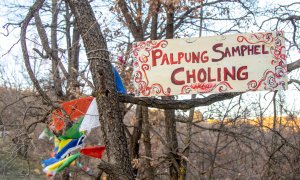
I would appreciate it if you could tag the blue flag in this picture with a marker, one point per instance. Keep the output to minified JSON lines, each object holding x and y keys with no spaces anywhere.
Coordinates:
{"x":119,"y":84}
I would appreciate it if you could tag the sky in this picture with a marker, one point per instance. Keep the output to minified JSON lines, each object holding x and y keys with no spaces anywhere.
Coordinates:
{"x":11,"y":58}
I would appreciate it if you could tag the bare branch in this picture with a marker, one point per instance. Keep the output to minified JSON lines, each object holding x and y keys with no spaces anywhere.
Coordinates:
{"x":45,"y":43}
{"x":84,"y":78}
{"x":44,"y":56}
{"x":176,"y":104}
{"x":36,"y":6}
{"x":10,"y":48}
{"x":42,"y":120}
{"x":294,"y":65}
{"x":132,"y":25}
{"x":294,"y":81}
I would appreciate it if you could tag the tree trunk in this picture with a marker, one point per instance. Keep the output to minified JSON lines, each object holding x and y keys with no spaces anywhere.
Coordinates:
{"x":149,"y":170}
{"x":170,"y":121}
{"x":188,"y":140}
{"x":119,"y":166}
{"x":73,"y":57}
{"x":171,"y":136}
{"x":136,"y":136}
{"x":55,"y":70}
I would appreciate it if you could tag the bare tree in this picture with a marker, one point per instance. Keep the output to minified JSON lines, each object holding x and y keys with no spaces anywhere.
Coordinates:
{"x":228,"y":148}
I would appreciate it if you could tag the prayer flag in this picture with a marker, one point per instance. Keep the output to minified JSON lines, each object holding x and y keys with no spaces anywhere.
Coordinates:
{"x":91,"y":118}
{"x":49,"y":161}
{"x":85,"y":169}
{"x":67,"y":146}
{"x":93,"y":151}
{"x":46,"y":133}
{"x":119,"y":84}
{"x":74,"y":109}
{"x":60,"y":165}
{"x":73,"y":132}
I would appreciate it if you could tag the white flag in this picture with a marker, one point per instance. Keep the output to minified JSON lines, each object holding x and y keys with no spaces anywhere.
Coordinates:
{"x":91,"y":118}
{"x":46,"y":134}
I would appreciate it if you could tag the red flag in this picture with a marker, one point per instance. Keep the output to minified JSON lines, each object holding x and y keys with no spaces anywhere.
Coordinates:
{"x":93,"y":151}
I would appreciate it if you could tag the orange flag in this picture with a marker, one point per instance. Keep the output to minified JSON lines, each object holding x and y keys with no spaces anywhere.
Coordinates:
{"x":74,"y":109}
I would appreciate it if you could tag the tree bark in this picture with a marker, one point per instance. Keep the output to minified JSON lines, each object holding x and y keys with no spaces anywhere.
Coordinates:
{"x":55,"y":62}
{"x":105,"y":90}
{"x":73,"y":56}
{"x":170,"y":121}
{"x":188,"y":140}
{"x":135,"y":28}
{"x":34,"y":8}
{"x":136,"y":136}
{"x":171,"y":136}
{"x":155,"y":9}
{"x":149,"y":170}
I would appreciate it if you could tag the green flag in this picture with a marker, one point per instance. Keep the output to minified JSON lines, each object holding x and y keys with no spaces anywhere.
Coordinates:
{"x":68,"y":161}
{"x":73,"y":132}
{"x":59,"y":166}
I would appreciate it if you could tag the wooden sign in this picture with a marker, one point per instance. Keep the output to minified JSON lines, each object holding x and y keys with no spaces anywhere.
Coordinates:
{"x":216,"y":64}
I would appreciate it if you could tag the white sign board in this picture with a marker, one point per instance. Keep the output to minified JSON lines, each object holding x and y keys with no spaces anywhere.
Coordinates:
{"x":215,"y":64}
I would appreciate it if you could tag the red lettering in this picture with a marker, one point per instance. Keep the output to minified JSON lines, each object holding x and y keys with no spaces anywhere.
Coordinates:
{"x":155,"y":55}
{"x":242,"y":75}
{"x":256,"y":49}
{"x":191,"y":76}
{"x":172,"y":59}
{"x":165,"y":59}
{"x":174,"y":80}
{"x":227,"y":52}
{"x":204,"y":58}
{"x":263,"y":50}
{"x":189,"y":59}
{"x":243,"y":49}
{"x":201,"y":71}
{"x":219,"y":74}
{"x":195,"y":57}
{"x":250,"y":50}
{"x":236,"y":50}
{"x":204,"y":77}
{"x":209,"y":79}
{"x":180,"y":56}
{"x":228,"y":73}
{"x":215,"y":48}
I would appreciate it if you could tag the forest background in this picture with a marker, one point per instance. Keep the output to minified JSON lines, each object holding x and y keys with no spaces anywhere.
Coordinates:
{"x":46,"y":50}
